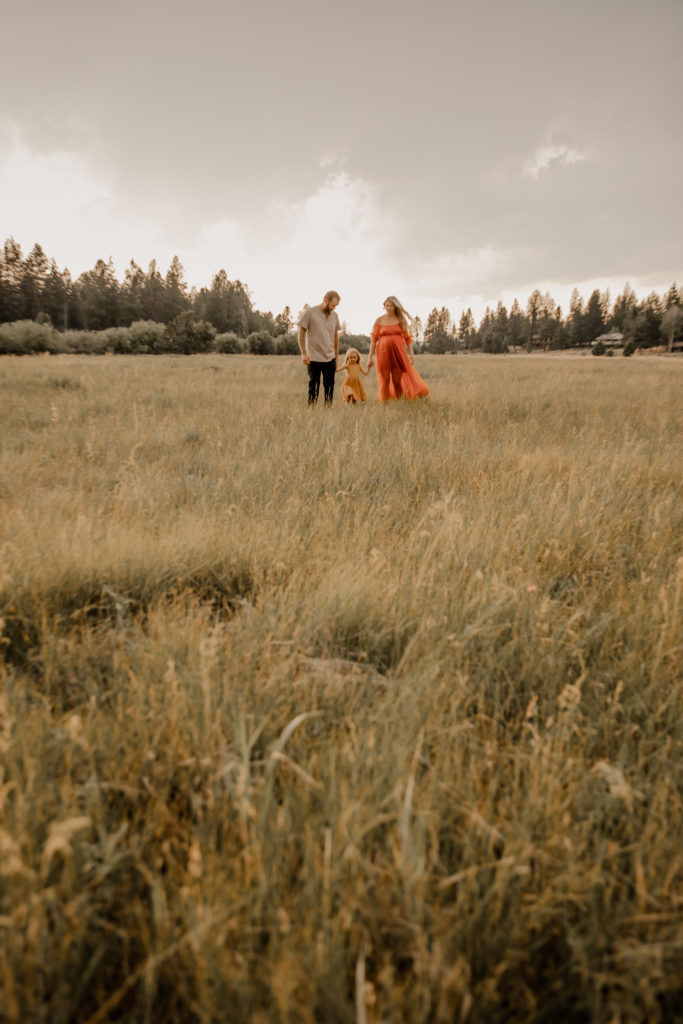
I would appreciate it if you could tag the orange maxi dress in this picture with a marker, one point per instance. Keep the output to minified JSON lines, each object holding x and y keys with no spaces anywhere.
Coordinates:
{"x":396,"y":375}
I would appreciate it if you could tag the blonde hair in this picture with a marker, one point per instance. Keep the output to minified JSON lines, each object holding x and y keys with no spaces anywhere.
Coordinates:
{"x":399,"y":311}
{"x":351,"y":352}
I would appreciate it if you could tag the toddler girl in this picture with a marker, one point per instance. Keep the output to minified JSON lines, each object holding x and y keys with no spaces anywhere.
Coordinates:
{"x":352,"y":388}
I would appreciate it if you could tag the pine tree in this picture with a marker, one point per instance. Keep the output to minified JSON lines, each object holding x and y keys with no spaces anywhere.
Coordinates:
{"x":57,"y":296}
{"x":535,"y":308}
{"x":97,"y":292}
{"x":175,"y":294}
{"x":518,"y":326}
{"x":575,"y":324}
{"x":485,"y":334}
{"x":11,"y":276}
{"x":502,"y":327}
{"x":493,"y":330}
{"x":153,"y":294}
{"x":437,"y":332}
{"x":466,"y":328}
{"x":672,"y":298}
{"x":624,"y":310}
{"x":132,"y":294}
{"x":227,"y":305}
{"x":549,"y":322}
{"x":594,"y":322}
{"x":646,"y":328}
{"x":35,"y":271}
{"x":431,"y":329}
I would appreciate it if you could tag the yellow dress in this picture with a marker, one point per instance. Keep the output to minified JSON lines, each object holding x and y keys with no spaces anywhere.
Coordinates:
{"x":353,"y":384}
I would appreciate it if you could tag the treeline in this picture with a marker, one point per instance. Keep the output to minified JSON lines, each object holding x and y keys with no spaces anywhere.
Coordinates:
{"x":34,"y":288}
{"x":43,"y":310}
{"x":653,"y":321}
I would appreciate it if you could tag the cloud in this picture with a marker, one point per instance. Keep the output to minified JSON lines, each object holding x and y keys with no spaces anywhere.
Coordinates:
{"x":342,"y":234}
{"x":436,"y":174}
{"x":552,"y":156}
{"x":456,"y":279}
{"x":290,"y":253}
{"x":296,"y":251}
{"x":60,"y":201}
{"x":35,"y":188}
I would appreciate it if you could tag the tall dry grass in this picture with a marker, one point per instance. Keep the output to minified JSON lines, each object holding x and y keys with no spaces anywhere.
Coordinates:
{"x":339,"y":715}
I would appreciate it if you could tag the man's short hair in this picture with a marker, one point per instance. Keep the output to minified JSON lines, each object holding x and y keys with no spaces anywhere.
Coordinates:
{"x":332,"y":295}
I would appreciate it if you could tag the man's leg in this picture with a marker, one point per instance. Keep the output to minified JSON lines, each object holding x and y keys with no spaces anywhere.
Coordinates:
{"x":314,"y":371}
{"x":329,"y":370}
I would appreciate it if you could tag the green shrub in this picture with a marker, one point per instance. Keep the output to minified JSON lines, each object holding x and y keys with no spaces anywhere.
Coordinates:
{"x":598,"y":349}
{"x":629,"y":348}
{"x":116,"y":340}
{"x":287,"y":345}
{"x":186,"y":335}
{"x":21,"y":337}
{"x":228,"y":343}
{"x":261,"y":343}
{"x":89,"y":343}
{"x":146,"y":336}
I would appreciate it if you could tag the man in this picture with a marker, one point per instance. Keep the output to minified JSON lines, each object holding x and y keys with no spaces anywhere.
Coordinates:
{"x":319,"y":344}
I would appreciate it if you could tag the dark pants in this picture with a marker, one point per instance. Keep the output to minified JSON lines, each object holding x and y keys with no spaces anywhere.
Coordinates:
{"x":328,"y":371}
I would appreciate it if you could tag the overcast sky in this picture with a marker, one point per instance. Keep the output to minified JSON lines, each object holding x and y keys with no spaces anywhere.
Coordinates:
{"x":451,"y":152}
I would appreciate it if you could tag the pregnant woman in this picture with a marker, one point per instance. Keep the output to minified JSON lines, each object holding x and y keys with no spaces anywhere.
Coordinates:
{"x":392,"y":344}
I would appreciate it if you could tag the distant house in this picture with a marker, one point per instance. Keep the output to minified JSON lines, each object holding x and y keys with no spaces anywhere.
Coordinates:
{"x":542,"y":341}
{"x":612,"y":340}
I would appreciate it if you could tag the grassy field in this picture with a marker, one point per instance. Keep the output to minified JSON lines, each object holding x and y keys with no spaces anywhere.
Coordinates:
{"x":340,"y":715}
